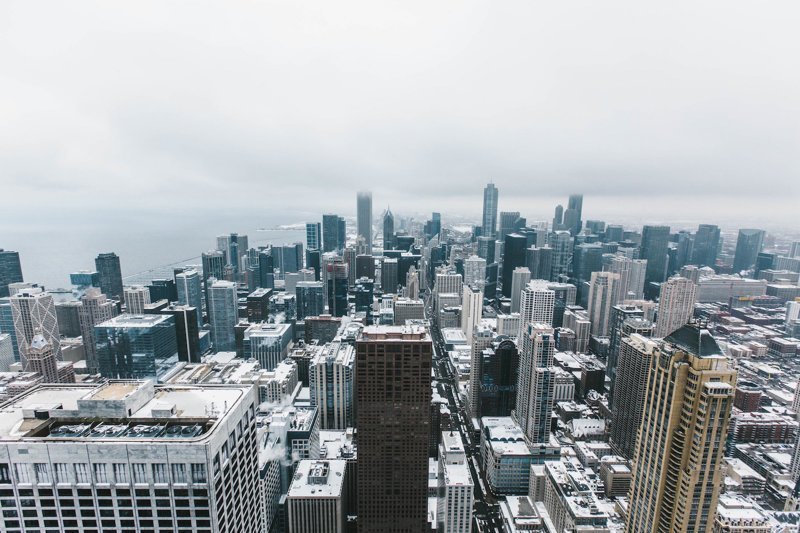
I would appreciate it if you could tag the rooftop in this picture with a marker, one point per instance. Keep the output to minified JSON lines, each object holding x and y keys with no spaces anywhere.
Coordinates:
{"x":135,"y":321}
{"x":318,"y":479}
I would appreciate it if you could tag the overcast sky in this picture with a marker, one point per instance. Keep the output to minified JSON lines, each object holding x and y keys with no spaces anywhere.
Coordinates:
{"x":295,"y":105}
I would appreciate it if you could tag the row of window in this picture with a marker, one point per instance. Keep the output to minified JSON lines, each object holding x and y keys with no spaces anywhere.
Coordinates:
{"x":101,"y":473}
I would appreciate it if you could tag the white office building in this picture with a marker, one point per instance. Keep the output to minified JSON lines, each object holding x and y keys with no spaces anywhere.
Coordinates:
{"x":315,"y":500}
{"x":455,"y":495}
{"x":136,"y":298}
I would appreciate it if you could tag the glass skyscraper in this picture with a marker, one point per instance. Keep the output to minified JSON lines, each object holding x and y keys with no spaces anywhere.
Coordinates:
{"x":108,"y":267}
{"x":190,"y":292}
{"x":136,"y":346}
{"x":10,"y":270}
{"x":489,"y":227}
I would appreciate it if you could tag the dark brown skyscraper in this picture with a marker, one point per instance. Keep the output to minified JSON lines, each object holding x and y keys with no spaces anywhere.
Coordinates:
{"x":393,"y":395}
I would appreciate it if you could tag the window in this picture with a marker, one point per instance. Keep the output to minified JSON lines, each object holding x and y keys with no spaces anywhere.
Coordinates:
{"x":121,"y":472}
{"x":179,"y":473}
{"x":42,"y":472}
{"x":5,"y":474}
{"x":139,"y":472}
{"x":160,"y":473}
{"x":198,"y":473}
{"x":100,"y":474}
{"x":82,"y":473}
{"x":22,"y":472}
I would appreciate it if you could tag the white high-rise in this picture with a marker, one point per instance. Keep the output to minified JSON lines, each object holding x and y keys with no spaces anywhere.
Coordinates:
{"x":315,"y":500}
{"x":456,"y":489}
{"x":603,"y":290}
{"x":675,"y":305}
{"x":475,"y":271}
{"x":136,"y":298}
{"x":471,"y":309}
{"x":330,"y":377}
{"x":535,"y":385}
{"x":33,"y":309}
{"x":519,"y":278}
{"x":537,"y":302}
{"x":631,"y":277}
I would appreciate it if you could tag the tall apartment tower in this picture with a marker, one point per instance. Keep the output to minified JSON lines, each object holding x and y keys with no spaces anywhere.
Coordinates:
{"x":107,"y":266}
{"x":190,"y":292}
{"x":136,"y":298}
{"x":482,"y":337}
{"x":631,"y":277}
{"x":223,"y":311}
{"x":475,"y":271}
{"x":471,"y":309}
{"x":489,"y":226}
{"x":748,"y":245}
{"x":675,"y":305}
{"x":41,"y":359}
{"x":95,"y":308}
{"x":514,"y":250}
{"x":456,"y":489}
{"x":536,"y":382}
{"x":655,"y":242}
{"x":330,"y":375}
{"x":537,"y":302}
{"x":234,"y":246}
{"x":633,"y":364}
{"x":573,"y":216}
{"x":519,"y":279}
{"x":364,"y":219}
{"x":603,"y":290}
{"x":678,"y":466}
{"x":34,"y":310}
{"x":313,"y":236}
{"x":10,"y":270}
{"x":393,"y":395}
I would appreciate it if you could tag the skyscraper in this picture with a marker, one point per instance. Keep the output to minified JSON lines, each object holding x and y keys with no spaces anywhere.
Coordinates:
{"x":561,"y":243}
{"x":223,"y":315}
{"x":539,"y":261}
{"x":393,"y":427}
{"x":213,"y":265}
{"x":677,"y":466}
{"x":537,"y":302}
{"x":536,"y":382}
{"x":313,"y":236}
{"x":655,"y":242}
{"x":190,"y":292}
{"x":489,"y":227}
{"x":471,"y":309}
{"x":602,"y":297}
{"x":499,"y":377}
{"x":331,"y":377}
{"x":388,"y":231}
{"x":10,"y":270}
{"x":136,"y":298}
{"x":107,"y":265}
{"x":632,"y":274}
{"x":748,"y":245}
{"x":510,"y":221}
{"x":513,"y":257}
{"x":95,"y":308}
{"x":706,"y":245}
{"x":558,"y":218}
{"x":364,"y":219}
{"x":675,"y":305}
{"x":136,"y":346}
{"x":332,"y":233}
{"x":34,"y":312}
{"x":519,"y":279}
{"x":336,"y":279}
{"x":234,"y":246}
{"x":575,"y":208}
{"x":310,"y":299}
{"x":475,"y":271}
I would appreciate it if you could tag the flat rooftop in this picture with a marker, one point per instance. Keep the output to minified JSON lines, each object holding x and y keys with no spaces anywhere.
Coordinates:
{"x":134,"y":321}
{"x":318,"y":479}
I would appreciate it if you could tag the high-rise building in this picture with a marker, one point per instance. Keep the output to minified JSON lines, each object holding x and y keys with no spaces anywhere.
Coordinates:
{"x":107,"y":265}
{"x":475,"y":271}
{"x":393,"y":427}
{"x":316,"y":498}
{"x":471,"y":309}
{"x":675,"y":305}
{"x":223,"y":314}
{"x":498,"y":380}
{"x":632,"y":274}
{"x":213,"y":265}
{"x":68,"y":315}
{"x":678,"y":466}
{"x":266,"y":269}
{"x":489,"y":227}
{"x":513,"y":257}
{"x":603,"y":290}
{"x":33,"y":310}
{"x":313,"y":236}
{"x":364,"y":219}
{"x":389,"y":241}
{"x":336,"y":277}
{"x":109,"y":438}
{"x":333,"y":235}
{"x":539,"y":261}
{"x":536,"y":382}
{"x":95,"y":308}
{"x":655,"y":242}
{"x":7,"y":324}
{"x":331,"y":379}
{"x":164,"y":289}
{"x":748,"y":245}
{"x":136,"y":346}
{"x":620,"y":327}
{"x":482,"y":337}
{"x":389,"y":272}
{"x":6,"y":352}
{"x":233,"y":246}
{"x":267,"y":343}
{"x":537,"y":302}
{"x":630,"y":385}
{"x":190,"y":292}
{"x":455,"y":494}
{"x":706,"y":245}
{"x":519,"y":279}
{"x":136,"y":298}
{"x":42,"y":360}
{"x":586,"y":258}
{"x":573,"y":216}
{"x":10,"y":270}
{"x":310,"y":299}
{"x":561,"y":243}
{"x":510,"y":221}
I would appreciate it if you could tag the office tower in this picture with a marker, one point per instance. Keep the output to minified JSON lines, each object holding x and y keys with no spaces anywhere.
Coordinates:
{"x":535,"y":385}
{"x":164,"y":289}
{"x":42,"y":360}
{"x":513,"y":257}
{"x":537,"y":302}
{"x":489,"y":225}
{"x":486,"y":249}
{"x":389,"y":271}
{"x":313,"y":236}
{"x":471,"y":309}
{"x":510,"y":221}
{"x":455,"y":494}
{"x":267,"y":343}
{"x":136,"y":346}
{"x":68,"y":315}
{"x":482,"y":337}
{"x":519,"y":279}
{"x":677,"y":467}
{"x":315,"y":501}
{"x":412,"y":283}
{"x":586,"y":258}
{"x":619,"y":315}
{"x":233,"y":246}
{"x":331,"y":378}
{"x":213,"y":265}
{"x":331,"y":235}
{"x":561,"y":243}
{"x":655,"y":241}
{"x":266,"y":270}
{"x":630,"y":385}
{"x":603,"y":290}
{"x":539,"y":261}
{"x":257,"y":305}
{"x":408,"y":309}
{"x":33,"y":310}
{"x":364,"y":219}
{"x":632,"y":274}
{"x":498,"y":381}
{"x":433,"y":227}
{"x":186,"y":331}
{"x":614,"y":233}
{"x":6,"y":352}
{"x":675,"y":305}
{"x":310,"y":299}
{"x":706,"y":245}
{"x":136,"y":298}
{"x":565,"y":295}
{"x":95,"y":308}
{"x":112,"y":437}
{"x":393,"y":427}
{"x":558,"y":218}
{"x":794,"y":251}
{"x":748,"y":244}
{"x":475,"y":271}
{"x":223,"y":314}
{"x":389,"y":242}
{"x":190,"y":292}
{"x":336,"y":279}
{"x":10,"y":270}
{"x":573,"y":220}
{"x":107,"y":265}
{"x":7,"y":324}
